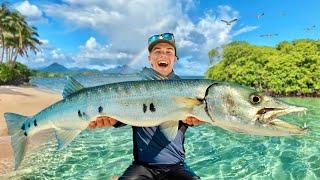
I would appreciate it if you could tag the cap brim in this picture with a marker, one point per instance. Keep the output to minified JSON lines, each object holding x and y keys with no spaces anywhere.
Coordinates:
{"x":161,"y":41}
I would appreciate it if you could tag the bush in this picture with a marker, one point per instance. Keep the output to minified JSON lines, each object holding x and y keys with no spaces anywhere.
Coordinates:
{"x":13,"y":74}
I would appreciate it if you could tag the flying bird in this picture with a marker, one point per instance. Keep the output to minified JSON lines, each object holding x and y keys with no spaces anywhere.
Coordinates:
{"x":268,"y":35}
{"x":260,"y":15}
{"x":229,"y":22}
{"x":310,"y":29}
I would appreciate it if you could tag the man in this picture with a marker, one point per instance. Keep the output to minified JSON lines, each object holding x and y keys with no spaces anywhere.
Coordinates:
{"x":155,"y":157}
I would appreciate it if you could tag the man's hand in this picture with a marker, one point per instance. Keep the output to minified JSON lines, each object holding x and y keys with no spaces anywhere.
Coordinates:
{"x":192,"y":121}
{"x":102,"y":121}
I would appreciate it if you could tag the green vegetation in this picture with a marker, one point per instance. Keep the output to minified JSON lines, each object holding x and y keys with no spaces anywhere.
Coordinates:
{"x":291,"y":68}
{"x":17,"y":38}
{"x":36,"y":73}
{"x":13,"y":74}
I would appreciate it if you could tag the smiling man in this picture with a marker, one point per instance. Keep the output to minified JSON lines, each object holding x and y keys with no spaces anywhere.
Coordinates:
{"x":155,"y":157}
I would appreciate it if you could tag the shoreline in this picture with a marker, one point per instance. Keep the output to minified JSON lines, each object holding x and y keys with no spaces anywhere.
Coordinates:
{"x":25,"y":100}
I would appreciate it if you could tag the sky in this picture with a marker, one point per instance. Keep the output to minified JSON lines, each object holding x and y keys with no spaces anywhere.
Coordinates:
{"x":102,"y":34}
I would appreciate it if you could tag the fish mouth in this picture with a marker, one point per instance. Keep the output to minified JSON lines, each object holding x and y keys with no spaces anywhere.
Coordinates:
{"x":269,"y":116}
{"x":163,"y":64}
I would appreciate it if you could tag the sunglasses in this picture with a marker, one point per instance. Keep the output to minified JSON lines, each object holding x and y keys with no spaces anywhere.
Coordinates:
{"x":165,"y":36}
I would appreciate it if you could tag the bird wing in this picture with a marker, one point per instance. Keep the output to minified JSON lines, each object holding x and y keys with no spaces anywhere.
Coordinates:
{"x":233,"y":20}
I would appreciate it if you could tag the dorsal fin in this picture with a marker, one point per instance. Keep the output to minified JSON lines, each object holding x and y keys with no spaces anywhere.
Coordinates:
{"x":149,"y":74}
{"x":71,"y":87}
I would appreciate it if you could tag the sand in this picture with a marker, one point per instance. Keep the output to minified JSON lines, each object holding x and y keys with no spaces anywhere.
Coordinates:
{"x":21,"y":100}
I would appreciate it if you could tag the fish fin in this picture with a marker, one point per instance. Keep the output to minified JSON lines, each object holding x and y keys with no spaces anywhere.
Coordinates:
{"x":151,"y":75}
{"x":169,"y":129}
{"x":18,"y":139}
{"x":201,"y":113}
{"x":41,"y":141}
{"x":187,"y":101}
{"x":14,"y":122}
{"x":65,"y":136}
{"x":71,"y":87}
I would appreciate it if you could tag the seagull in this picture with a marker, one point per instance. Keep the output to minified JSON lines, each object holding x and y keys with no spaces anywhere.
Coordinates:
{"x":260,"y":15}
{"x":309,"y":29}
{"x":268,"y":35}
{"x":229,"y":22}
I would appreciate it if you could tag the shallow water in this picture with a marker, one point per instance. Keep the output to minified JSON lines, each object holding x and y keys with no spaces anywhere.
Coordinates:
{"x":212,"y":153}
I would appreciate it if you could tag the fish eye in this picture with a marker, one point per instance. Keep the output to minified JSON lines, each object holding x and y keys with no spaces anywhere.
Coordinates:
{"x":255,"y":99}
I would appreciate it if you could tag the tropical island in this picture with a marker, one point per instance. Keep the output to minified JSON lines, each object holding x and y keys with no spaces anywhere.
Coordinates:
{"x":288,"y":69}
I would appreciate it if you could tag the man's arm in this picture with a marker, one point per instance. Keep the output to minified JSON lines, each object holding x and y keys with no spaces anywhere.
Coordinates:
{"x":192,"y":121}
{"x":105,"y":121}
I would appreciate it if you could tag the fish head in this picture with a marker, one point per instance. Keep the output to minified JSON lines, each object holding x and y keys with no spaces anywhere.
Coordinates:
{"x":238,"y":108}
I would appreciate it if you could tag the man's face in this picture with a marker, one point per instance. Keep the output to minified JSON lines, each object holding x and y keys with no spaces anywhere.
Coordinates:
{"x":162,"y":58}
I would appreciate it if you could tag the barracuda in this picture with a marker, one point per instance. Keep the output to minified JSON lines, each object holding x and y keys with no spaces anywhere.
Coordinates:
{"x":151,"y":103}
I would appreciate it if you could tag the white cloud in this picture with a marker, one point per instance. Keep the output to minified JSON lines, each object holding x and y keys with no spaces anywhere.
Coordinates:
{"x":56,"y":54}
{"x":128,"y":24}
{"x":44,"y":42}
{"x":31,"y":11}
{"x":91,"y":43}
{"x":244,"y":30}
{"x":93,"y":54}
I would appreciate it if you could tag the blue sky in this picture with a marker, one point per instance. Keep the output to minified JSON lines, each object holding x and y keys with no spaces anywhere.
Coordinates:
{"x":103,"y":34}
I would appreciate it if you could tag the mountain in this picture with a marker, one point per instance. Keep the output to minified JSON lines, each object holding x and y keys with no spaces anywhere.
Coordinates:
{"x":58,"y":68}
{"x":123,"y":69}
{"x":81,"y":70}
{"x":55,"y":68}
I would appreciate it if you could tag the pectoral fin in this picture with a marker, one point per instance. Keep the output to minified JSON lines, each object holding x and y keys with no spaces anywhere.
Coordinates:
{"x":65,"y":136}
{"x":170,"y":129}
{"x":187,"y":101}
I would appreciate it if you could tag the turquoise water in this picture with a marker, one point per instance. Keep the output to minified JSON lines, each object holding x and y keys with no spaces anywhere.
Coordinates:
{"x":211,"y":152}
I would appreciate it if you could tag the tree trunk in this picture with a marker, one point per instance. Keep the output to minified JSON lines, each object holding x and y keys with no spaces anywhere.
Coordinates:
{"x":11,"y":54}
{"x":7,"y":53}
{"x":2,"y":54}
{"x":15,"y":55}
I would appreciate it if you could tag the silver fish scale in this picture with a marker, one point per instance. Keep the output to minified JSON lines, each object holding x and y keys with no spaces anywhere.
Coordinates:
{"x":124,"y":101}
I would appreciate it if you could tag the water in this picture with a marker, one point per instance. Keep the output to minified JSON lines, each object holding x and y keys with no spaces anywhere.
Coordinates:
{"x":211,"y":152}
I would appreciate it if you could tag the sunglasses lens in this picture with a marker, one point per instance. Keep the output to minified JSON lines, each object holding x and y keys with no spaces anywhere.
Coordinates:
{"x":153,"y":38}
{"x":168,"y":36}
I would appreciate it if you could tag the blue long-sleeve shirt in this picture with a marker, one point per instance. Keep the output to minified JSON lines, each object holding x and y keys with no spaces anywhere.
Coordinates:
{"x":150,"y":146}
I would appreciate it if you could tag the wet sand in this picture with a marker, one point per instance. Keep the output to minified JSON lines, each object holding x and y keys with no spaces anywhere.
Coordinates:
{"x":24,"y":101}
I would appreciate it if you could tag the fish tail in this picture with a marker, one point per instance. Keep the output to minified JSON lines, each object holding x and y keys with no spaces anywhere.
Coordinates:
{"x":18,"y":135}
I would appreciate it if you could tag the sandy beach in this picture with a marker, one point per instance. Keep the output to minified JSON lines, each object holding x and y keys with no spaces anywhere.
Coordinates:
{"x":24,"y":101}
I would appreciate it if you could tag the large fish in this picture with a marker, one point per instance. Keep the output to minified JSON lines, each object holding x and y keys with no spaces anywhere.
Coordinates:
{"x":151,"y":103}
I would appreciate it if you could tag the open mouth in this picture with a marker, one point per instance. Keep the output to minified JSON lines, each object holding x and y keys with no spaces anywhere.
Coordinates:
{"x":163,"y":64}
{"x":268,"y":116}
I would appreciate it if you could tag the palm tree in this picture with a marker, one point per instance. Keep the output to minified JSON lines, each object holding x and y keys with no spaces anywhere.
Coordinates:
{"x":4,"y":23}
{"x":17,"y":37}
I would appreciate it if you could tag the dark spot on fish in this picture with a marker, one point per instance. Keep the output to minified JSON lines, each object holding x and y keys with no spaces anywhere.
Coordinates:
{"x":35,"y":122}
{"x":100,"y":109}
{"x":200,"y":99}
{"x":83,"y":113}
{"x":79,"y":113}
{"x":144,"y":108}
{"x":152,"y":108}
{"x":23,"y":127}
{"x":25,"y":133}
{"x":29,"y":125}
